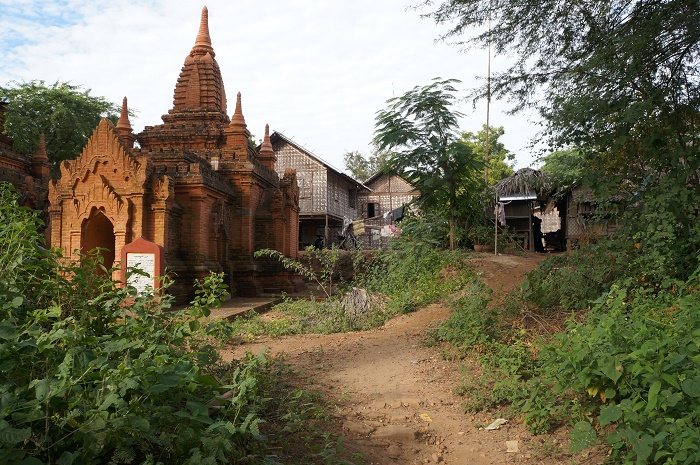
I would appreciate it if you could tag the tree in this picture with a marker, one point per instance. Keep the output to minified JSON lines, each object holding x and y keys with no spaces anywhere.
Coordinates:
{"x":565,"y":166}
{"x":65,"y":113}
{"x":362,"y":168}
{"x":498,"y":167}
{"x":618,"y":79}
{"x":420,"y":129}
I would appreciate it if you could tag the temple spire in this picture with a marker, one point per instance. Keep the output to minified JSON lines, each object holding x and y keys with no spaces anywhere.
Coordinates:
{"x":237,"y":119}
{"x":40,"y":162}
{"x":202,"y":44}
{"x":237,"y":133}
{"x":123,"y":126}
{"x":267,"y":156}
{"x":266,"y":144}
{"x":41,"y":150}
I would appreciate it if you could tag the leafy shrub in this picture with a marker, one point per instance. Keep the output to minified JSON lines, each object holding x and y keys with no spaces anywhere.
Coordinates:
{"x":425,"y":231}
{"x":633,"y":367}
{"x":470,"y":322}
{"x":411,"y":278}
{"x":571,"y":281}
{"x":92,"y":373}
{"x":664,"y":226}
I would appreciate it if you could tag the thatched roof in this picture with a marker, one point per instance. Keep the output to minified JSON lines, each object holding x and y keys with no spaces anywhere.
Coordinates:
{"x":524,"y":181}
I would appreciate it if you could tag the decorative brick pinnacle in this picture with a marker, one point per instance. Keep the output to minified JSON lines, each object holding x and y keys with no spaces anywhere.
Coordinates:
{"x":237,"y":119}
{"x":266,"y":146}
{"x":123,"y":124}
{"x":40,"y":156}
{"x":202,"y":45}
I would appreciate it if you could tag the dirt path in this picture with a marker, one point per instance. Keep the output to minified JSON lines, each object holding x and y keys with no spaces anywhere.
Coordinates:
{"x":395,"y":396}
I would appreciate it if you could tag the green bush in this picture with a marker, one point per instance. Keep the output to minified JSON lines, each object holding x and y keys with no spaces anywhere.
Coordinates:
{"x":92,"y":373}
{"x":633,"y":368}
{"x":411,"y":277}
{"x":571,"y":281}
{"x":470,"y":322}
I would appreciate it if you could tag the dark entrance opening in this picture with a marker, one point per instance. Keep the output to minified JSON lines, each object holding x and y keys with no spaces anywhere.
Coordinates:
{"x":98,"y":231}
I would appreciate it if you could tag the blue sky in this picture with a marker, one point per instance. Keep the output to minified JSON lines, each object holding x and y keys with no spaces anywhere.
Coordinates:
{"x":315,"y":70}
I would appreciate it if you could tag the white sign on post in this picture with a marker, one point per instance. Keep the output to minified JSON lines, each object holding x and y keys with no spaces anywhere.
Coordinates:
{"x":145,"y":262}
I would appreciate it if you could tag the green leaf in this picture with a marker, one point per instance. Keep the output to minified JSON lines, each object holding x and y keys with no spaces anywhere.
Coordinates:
{"x":653,"y":397}
{"x":10,"y":436}
{"x":207,"y":380}
{"x":671,"y":379}
{"x":110,"y":400}
{"x":581,"y":436}
{"x":611,"y":368}
{"x":691,"y":386}
{"x":170,"y":379}
{"x":140,"y":423}
{"x":643,"y":447}
{"x":67,"y":458}
{"x":7,"y":330}
{"x":609,"y":414}
{"x":198,"y":409}
{"x":30,"y":461}
{"x":43,"y":388}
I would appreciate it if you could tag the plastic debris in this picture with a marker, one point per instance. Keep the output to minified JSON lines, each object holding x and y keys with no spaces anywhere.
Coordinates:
{"x":496,"y":424}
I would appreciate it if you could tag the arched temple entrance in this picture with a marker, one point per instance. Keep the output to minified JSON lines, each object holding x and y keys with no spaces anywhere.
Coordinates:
{"x":98,"y":231}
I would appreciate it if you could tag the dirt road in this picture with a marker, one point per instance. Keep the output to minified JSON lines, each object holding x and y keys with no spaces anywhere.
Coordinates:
{"x":395,"y":396}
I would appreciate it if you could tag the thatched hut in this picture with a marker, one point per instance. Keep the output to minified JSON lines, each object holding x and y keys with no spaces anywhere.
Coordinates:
{"x":588,"y":216}
{"x":517,"y":197}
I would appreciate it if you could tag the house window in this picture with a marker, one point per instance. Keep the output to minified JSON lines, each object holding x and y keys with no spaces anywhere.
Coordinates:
{"x":352,"y":195}
{"x":372,"y":210}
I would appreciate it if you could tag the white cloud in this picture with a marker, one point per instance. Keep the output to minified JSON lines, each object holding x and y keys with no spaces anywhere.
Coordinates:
{"x":315,"y":70}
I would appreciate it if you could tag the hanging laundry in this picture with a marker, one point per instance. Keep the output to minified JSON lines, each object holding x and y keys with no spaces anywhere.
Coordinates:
{"x":501,"y":213}
{"x":397,"y":214}
{"x":358,"y":227}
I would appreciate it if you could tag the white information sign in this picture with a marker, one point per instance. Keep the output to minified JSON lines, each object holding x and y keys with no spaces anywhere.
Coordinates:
{"x":146,"y":262}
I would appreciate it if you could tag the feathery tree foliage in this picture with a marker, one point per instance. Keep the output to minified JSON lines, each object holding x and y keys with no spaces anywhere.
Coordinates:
{"x":420,"y":129}
{"x":618,"y":79}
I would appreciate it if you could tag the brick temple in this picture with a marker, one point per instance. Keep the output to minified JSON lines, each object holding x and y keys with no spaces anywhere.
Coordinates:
{"x":195,"y":185}
{"x":30,"y":177}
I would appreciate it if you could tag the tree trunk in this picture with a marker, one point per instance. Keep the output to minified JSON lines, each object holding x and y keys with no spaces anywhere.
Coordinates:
{"x":453,"y":216}
{"x":453,"y":233}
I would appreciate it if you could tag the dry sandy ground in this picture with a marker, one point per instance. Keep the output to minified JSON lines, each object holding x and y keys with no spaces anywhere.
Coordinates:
{"x":395,"y":396}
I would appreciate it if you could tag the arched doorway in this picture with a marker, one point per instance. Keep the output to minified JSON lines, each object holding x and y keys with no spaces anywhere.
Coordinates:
{"x":98,"y":231}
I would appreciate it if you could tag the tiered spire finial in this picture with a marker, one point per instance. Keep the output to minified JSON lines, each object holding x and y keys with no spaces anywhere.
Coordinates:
{"x":202,"y":43}
{"x":266,"y":145}
{"x":41,"y":150}
{"x":237,"y":119}
{"x":40,"y":163}
{"x":123,"y":124}
{"x":267,"y":156}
